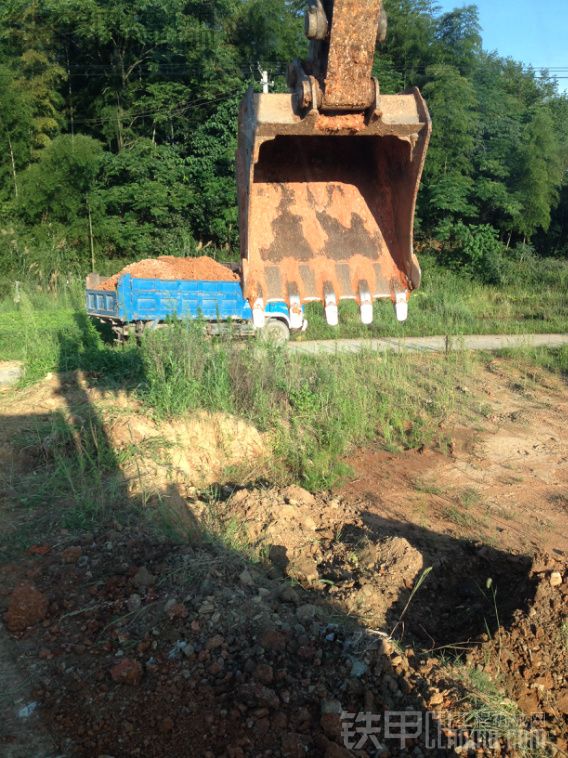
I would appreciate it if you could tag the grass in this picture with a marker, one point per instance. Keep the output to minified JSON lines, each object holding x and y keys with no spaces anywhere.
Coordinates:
{"x":490,"y":715}
{"x":314,"y":408}
{"x":533,"y":301}
{"x":530,"y":360}
{"x":448,"y":303}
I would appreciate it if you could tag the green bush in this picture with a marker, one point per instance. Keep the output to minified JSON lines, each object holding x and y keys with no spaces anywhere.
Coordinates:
{"x":475,"y":250}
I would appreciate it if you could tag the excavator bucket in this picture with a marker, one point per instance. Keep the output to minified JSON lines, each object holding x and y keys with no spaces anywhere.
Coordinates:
{"x":328,"y":177}
{"x":328,"y":202}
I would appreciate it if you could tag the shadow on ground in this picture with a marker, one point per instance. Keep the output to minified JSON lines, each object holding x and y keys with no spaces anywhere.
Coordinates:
{"x":208,"y":650}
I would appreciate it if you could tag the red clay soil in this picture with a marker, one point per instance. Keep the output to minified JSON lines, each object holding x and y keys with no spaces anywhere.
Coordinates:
{"x":169,"y":268}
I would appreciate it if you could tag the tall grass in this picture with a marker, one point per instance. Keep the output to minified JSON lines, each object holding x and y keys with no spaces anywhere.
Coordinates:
{"x":315,"y":407}
{"x":533,"y":299}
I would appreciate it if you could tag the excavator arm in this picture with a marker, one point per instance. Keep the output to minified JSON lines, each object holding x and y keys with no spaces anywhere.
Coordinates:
{"x":328,"y":175}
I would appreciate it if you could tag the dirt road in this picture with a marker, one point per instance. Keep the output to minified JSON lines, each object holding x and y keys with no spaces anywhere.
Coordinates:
{"x":432,"y":344}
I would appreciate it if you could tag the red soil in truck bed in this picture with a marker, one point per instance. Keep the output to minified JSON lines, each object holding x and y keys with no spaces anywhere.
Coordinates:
{"x":167,"y":267}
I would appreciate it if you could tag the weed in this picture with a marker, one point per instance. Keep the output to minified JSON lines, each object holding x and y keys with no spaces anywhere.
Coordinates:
{"x":427,"y":487}
{"x":491,"y":715}
{"x":457,"y":517}
{"x":469,"y":497}
{"x":315,"y":408}
{"x":421,"y":579}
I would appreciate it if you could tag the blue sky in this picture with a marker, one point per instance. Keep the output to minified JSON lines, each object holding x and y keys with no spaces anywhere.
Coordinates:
{"x":535,"y":33}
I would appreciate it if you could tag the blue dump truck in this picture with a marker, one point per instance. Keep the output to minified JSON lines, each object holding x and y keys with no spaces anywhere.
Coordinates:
{"x":138,"y":304}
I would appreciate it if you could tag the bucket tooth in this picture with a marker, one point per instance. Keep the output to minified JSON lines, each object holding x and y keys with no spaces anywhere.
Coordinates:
{"x":401,"y":305}
{"x":365,"y":303}
{"x":330,"y":305}
{"x":258,"y":316}
{"x":295,"y":305}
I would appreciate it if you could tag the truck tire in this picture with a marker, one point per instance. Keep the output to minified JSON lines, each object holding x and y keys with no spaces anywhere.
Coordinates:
{"x":276,"y":331}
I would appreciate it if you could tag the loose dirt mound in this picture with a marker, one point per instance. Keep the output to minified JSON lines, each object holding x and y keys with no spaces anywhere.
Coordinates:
{"x":149,"y":645}
{"x":362,"y":564}
{"x":168,"y":268}
{"x":151,"y":455}
{"x":186,"y":452}
{"x":532,"y":655}
{"x":323,"y":542}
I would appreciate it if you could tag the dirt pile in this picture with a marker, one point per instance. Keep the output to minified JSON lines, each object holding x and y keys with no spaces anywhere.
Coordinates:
{"x":531,"y":656}
{"x":365,"y":566}
{"x":165,"y":646}
{"x":149,"y":645}
{"x":186,"y":452}
{"x":168,"y":268}
{"x":323,"y":542}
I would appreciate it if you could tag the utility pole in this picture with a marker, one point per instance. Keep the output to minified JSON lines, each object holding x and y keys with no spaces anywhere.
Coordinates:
{"x":264,"y":80}
{"x":91,"y":237}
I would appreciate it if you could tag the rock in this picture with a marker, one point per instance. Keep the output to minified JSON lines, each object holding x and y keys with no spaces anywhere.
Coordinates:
{"x":128,"y":671}
{"x":188,"y":650}
{"x":10,"y":372}
{"x":143,"y":578}
{"x":27,"y":710}
{"x":170,"y":605}
{"x":295,"y":495}
{"x":289,"y":595}
{"x":303,"y":568}
{"x":257,"y":694}
{"x":214,"y":642}
{"x":177,"y":611}
{"x":293,"y":745}
{"x":306,"y":613}
{"x":27,"y":606}
{"x":528,"y":702}
{"x":436,"y":699}
{"x":358,"y":668}
{"x":134,"y":603}
{"x":310,"y":524}
{"x":555,"y":579}
{"x":166,"y":725}
{"x":330,"y":706}
{"x":330,"y":720}
{"x":72,"y":554}
{"x":245,"y":578}
{"x":264,"y":673}
{"x":272,"y":639}
{"x":333,"y":750}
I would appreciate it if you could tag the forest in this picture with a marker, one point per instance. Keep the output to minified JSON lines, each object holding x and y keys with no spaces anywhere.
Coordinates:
{"x":118,"y":130}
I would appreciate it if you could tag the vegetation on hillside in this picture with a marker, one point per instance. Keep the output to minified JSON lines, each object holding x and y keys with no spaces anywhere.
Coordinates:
{"x":118,"y":125}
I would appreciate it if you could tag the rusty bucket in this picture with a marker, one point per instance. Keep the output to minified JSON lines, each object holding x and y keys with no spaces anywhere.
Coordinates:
{"x":327,"y":201}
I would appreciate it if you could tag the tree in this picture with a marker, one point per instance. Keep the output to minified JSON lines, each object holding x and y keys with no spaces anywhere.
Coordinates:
{"x":459,"y":37}
{"x":16,"y":133}
{"x":212,"y":168}
{"x":448,"y":176}
{"x":155,"y":85}
{"x":540,"y":172}
{"x":56,"y":187}
{"x":141,"y":202}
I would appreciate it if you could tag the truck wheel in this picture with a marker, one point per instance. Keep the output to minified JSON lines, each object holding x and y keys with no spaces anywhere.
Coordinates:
{"x":275,"y":331}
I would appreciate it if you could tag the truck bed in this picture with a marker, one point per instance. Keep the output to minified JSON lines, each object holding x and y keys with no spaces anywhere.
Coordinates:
{"x":156,"y":300}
